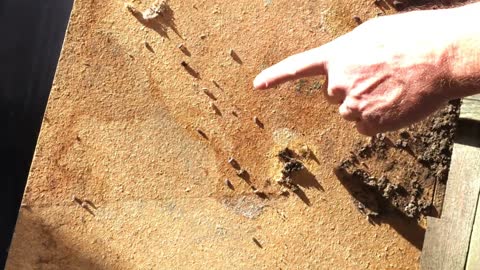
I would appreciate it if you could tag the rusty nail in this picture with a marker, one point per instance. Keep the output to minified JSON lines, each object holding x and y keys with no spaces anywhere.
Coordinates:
{"x":209,"y":94}
{"x":229,"y":184}
{"x":255,"y":240}
{"x":215,"y":83}
{"x":77,"y":200}
{"x":241,"y":172}
{"x":258,"y":122}
{"x":234,"y":163}
{"x":215,"y":108}
{"x":357,"y":19}
{"x":202,"y":133}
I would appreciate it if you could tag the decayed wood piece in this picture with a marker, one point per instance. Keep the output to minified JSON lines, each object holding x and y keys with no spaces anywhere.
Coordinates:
{"x":447,"y":240}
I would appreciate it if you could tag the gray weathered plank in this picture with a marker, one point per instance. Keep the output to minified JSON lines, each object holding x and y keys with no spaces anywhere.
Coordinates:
{"x":476,"y":97}
{"x":447,"y":240}
{"x":470,"y":109}
{"x":473,"y":260}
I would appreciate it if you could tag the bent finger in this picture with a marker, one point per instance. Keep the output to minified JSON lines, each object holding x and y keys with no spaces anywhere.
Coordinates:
{"x":368,"y":129}
{"x":349,"y":112}
{"x":335,"y":93}
{"x":309,"y":63}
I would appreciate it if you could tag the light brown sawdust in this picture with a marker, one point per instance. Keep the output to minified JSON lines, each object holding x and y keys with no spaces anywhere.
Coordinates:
{"x":120,"y":130}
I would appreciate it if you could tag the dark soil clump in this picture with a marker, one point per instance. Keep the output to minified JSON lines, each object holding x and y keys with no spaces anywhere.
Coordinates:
{"x":400,"y":171}
{"x":290,"y":166}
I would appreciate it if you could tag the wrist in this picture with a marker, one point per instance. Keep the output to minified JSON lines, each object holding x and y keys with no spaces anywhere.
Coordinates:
{"x":464,"y":51}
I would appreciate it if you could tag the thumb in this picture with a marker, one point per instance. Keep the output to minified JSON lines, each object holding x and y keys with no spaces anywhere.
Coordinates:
{"x":310,"y":63}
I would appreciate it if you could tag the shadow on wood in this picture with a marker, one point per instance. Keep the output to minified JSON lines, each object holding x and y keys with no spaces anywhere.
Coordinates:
{"x":306,"y":179}
{"x":382,"y":210}
{"x":159,"y":24}
{"x":468,"y":132}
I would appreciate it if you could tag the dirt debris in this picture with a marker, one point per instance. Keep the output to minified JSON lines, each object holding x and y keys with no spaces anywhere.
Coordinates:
{"x":155,"y":10}
{"x":290,"y":166}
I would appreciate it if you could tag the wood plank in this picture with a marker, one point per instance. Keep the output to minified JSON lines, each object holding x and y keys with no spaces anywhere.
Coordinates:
{"x":121,"y":132}
{"x":447,"y":240}
{"x":475,"y":97}
{"x":473,"y":261}
{"x":471,"y":109}
{"x":438,"y":196}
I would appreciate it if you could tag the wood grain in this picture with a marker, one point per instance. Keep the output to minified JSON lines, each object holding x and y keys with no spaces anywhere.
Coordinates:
{"x":121,"y":132}
{"x":470,"y":109}
{"x":473,"y":261}
{"x":474,"y":97}
{"x":447,"y":240}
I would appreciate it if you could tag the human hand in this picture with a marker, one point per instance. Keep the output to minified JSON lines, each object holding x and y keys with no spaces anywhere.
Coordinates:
{"x":386,"y":74}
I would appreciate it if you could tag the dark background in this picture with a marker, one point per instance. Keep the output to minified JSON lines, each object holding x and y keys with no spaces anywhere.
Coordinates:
{"x":31,"y":37}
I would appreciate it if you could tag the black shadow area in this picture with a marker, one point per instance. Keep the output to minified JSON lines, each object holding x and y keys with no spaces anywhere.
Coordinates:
{"x":32,"y":34}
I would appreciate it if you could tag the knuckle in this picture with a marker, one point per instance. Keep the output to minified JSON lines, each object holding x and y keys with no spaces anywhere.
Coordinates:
{"x":352,"y":104}
{"x":349,"y":113}
{"x":365,"y":128}
{"x":336,"y":91}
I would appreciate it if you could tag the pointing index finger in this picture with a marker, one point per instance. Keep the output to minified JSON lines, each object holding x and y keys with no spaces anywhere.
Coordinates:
{"x":310,"y":63}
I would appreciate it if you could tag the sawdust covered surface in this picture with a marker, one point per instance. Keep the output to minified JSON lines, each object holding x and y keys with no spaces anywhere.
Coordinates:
{"x":148,"y":106}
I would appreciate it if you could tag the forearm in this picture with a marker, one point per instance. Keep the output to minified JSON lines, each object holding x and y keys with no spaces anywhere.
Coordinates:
{"x":465,"y":51}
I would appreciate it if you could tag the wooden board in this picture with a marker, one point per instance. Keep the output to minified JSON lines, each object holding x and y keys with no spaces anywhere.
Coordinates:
{"x":121,"y":137}
{"x":447,"y":240}
{"x":473,"y":260}
{"x":471,"y":108}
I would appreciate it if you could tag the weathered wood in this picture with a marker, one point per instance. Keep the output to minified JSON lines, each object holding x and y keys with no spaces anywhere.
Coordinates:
{"x":473,"y":260}
{"x":447,"y":240}
{"x":438,"y":197}
{"x":121,"y":132}
{"x":471,"y":109}
{"x":475,"y":97}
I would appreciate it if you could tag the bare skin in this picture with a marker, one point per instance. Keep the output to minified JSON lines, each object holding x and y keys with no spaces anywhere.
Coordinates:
{"x":394,"y":70}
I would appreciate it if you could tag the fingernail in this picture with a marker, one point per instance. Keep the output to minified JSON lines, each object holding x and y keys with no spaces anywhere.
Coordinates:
{"x":258,"y":83}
